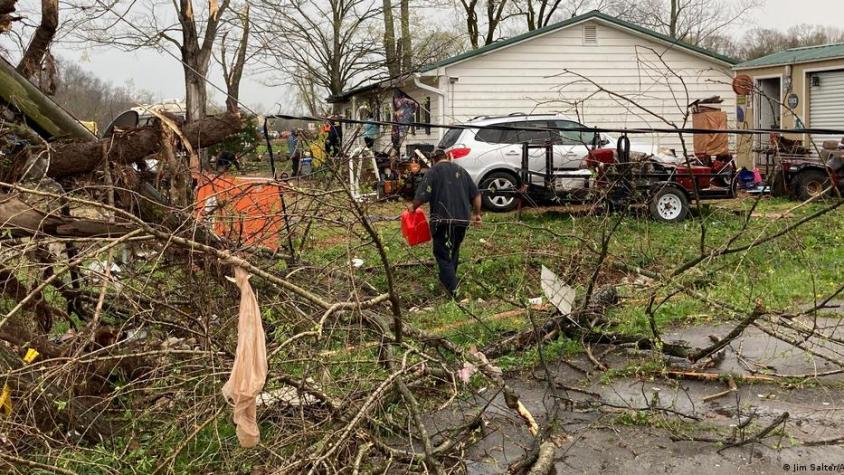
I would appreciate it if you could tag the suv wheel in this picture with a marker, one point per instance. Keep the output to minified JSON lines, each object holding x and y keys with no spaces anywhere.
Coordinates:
{"x":812,"y":183}
{"x":669,"y":205}
{"x":499,"y":191}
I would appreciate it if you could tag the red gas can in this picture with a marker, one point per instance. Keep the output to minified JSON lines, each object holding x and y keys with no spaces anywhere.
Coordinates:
{"x":414,"y":227}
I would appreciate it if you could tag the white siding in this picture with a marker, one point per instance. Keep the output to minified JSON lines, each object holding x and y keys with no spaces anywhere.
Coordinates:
{"x":530,"y":77}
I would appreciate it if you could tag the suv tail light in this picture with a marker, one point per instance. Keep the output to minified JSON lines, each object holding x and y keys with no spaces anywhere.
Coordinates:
{"x":459,"y":152}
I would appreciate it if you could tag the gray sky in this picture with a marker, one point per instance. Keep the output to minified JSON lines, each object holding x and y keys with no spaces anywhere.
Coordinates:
{"x":162,"y":74}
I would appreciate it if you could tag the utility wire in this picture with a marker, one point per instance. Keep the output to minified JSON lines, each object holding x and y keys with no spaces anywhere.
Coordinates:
{"x":636,"y":130}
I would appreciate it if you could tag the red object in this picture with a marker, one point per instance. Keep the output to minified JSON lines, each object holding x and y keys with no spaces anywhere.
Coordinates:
{"x":743,"y":84}
{"x":414,"y":227}
{"x":245,"y":210}
{"x":459,"y":152}
{"x":702,"y":174}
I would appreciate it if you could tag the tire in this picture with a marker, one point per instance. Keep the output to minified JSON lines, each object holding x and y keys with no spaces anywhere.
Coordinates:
{"x":669,"y":205}
{"x":811,"y":183}
{"x":496,"y":202}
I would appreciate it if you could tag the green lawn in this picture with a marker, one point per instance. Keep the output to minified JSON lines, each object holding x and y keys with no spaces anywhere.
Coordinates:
{"x":502,"y":260}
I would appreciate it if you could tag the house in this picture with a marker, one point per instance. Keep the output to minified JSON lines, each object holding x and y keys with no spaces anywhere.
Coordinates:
{"x":792,"y":89}
{"x":647,"y":80}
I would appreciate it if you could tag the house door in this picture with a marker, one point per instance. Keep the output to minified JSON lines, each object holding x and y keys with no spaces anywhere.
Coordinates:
{"x":768,"y":103}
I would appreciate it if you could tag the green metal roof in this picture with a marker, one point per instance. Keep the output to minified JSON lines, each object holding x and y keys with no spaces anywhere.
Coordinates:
{"x":593,"y":15}
{"x":795,"y":55}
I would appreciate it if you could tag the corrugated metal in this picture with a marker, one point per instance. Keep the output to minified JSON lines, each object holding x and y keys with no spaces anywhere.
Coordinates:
{"x":796,"y":55}
{"x":826,"y":108}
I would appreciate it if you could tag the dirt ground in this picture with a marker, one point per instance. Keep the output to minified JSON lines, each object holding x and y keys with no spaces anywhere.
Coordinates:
{"x":622,"y":435}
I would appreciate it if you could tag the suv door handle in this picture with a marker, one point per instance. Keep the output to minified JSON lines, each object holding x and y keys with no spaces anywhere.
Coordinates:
{"x":513,"y":153}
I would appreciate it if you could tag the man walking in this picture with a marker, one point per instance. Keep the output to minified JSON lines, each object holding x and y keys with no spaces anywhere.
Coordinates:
{"x":455,"y":202}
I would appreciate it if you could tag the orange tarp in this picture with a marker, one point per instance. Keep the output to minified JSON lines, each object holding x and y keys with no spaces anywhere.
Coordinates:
{"x":245,"y":210}
{"x":711,"y":144}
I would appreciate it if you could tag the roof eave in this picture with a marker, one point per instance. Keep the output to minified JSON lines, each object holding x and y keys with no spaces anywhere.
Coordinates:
{"x":741,"y":67}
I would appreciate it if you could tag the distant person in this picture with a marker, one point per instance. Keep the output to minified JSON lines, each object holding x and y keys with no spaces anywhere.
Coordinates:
{"x":370,"y":133}
{"x":225,"y":160}
{"x":293,"y":151}
{"x":454,"y":202}
{"x":334,"y":139}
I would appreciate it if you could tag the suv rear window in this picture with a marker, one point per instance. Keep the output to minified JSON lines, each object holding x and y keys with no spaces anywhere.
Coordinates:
{"x":535,"y":137}
{"x":449,"y":139}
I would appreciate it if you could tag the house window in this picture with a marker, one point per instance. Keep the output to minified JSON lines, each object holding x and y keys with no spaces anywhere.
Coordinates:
{"x":423,"y":116}
{"x":590,"y":34}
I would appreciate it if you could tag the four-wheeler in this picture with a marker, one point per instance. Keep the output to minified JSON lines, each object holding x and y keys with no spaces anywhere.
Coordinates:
{"x":806,"y":177}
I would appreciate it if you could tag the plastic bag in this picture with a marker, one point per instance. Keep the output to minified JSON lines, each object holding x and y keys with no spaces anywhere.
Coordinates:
{"x":414,"y":227}
{"x":249,"y":372}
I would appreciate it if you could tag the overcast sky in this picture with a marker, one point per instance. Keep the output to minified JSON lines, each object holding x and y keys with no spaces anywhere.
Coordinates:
{"x":162,"y":74}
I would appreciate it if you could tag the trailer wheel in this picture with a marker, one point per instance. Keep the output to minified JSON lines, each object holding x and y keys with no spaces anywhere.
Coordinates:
{"x":811,"y":184}
{"x":669,"y":205}
{"x":492,"y":187}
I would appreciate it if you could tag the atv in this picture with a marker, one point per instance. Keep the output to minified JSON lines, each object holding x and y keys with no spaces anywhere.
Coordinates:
{"x":805,"y":177}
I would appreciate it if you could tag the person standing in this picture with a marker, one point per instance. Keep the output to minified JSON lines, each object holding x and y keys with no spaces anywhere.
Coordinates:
{"x":293,"y":150}
{"x":370,"y":133}
{"x":454,"y":201}
{"x":334,"y":139}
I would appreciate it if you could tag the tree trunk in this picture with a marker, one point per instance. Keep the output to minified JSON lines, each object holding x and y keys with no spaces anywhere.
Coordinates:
{"x":672,"y":24}
{"x":531,"y":16}
{"x":472,"y":22}
{"x":40,"y":43}
{"x":196,"y":93}
{"x":7,"y":7}
{"x":406,"y":39}
{"x":74,"y":158}
{"x":494,"y":13}
{"x":393,"y":64}
{"x":43,"y":115}
{"x":234,"y":76}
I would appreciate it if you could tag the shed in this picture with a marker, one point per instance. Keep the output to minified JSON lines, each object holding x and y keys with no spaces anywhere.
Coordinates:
{"x":595,"y":68}
{"x":793,"y":89}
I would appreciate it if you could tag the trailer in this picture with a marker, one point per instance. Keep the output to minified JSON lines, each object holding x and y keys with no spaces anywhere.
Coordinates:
{"x":617,"y":179}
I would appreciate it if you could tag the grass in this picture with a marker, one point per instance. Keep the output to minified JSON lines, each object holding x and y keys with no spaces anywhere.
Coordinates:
{"x":500,"y":268}
{"x":501,"y":262}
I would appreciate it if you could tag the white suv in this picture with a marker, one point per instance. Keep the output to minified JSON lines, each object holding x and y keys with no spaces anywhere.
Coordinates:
{"x":493,"y":157}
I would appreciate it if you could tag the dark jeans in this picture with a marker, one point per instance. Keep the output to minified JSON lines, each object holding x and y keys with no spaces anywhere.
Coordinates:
{"x":295,"y":162}
{"x":369,"y":142}
{"x":447,"y":239}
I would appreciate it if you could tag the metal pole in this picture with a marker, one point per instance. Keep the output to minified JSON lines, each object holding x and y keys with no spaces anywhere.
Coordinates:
{"x":280,"y":193}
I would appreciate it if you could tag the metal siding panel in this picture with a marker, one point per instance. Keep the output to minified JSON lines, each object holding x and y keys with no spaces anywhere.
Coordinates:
{"x":826,"y":108}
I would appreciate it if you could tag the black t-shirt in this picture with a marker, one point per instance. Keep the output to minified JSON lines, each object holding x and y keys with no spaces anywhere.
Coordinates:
{"x":449,"y":190}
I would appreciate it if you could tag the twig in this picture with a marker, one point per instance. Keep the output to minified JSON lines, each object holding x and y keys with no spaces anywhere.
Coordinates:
{"x":760,"y":435}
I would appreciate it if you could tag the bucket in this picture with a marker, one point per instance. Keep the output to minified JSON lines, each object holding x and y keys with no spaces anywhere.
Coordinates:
{"x":306,"y":167}
{"x":414,"y":227}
